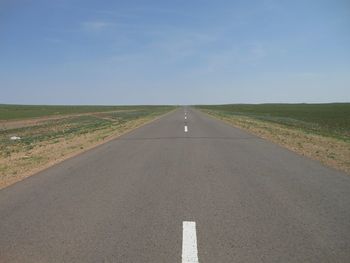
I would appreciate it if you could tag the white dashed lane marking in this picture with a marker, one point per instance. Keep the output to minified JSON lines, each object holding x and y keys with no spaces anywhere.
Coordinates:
{"x":189,"y":242}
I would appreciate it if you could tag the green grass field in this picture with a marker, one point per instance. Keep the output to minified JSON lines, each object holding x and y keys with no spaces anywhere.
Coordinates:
{"x":75,"y":125}
{"x":331,"y":119}
{"x":13,"y":112}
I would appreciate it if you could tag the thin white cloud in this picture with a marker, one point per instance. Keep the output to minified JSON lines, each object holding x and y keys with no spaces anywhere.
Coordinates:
{"x":95,"y":25}
{"x":258,"y":51}
{"x":53,"y":40}
{"x":115,"y":14}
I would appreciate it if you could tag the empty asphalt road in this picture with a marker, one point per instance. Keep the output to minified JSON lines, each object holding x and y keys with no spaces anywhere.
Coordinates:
{"x":179,"y":190}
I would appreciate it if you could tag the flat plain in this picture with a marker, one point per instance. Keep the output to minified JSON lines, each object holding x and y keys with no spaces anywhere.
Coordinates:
{"x":213,"y":193}
{"x":319,"y":131}
{"x":50,"y":134}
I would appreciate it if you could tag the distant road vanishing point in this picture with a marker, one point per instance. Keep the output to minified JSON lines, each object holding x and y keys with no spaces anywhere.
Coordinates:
{"x":184,"y":188}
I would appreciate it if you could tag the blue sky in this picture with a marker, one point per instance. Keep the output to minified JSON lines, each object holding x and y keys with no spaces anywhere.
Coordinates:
{"x":174,"y":52}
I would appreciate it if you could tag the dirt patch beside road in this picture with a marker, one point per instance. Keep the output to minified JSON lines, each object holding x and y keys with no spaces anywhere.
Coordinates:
{"x":13,"y":124}
{"x":53,"y":140}
{"x":330,"y":151}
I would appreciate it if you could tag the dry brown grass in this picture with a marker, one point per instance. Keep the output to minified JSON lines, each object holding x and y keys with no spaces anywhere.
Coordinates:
{"x":13,"y":124}
{"x":329,"y":151}
{"x":23,"y":162}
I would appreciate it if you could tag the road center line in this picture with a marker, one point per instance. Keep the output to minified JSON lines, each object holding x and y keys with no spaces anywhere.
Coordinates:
{"x":189,"y":242}
{"x":186,"y":128}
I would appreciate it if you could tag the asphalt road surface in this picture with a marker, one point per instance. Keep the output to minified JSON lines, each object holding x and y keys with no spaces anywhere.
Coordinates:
{"x":179,"y":190}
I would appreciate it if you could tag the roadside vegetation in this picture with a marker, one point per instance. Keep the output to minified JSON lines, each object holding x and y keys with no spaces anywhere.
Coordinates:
{"x":13,"y":112}
{"x":319,"y":131}
{"x":39,"y":142}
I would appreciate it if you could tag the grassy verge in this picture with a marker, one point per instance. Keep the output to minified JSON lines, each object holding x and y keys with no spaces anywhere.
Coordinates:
{"x":13,"y":112}
{"x":319,"y":131}
{"x":51,"y":141}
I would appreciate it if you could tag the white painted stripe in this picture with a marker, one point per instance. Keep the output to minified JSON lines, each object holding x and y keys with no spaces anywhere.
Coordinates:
{"x":185,"y":117}
{"x":189,"y":242}
{"x":186,"y":128}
